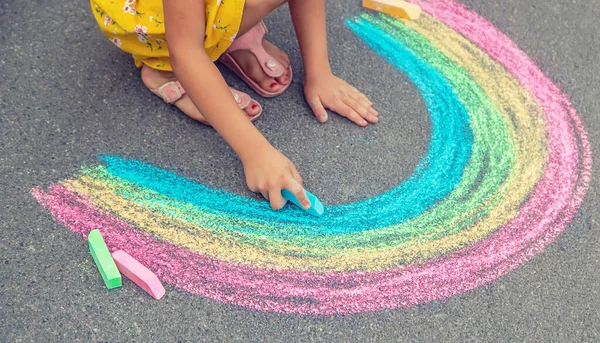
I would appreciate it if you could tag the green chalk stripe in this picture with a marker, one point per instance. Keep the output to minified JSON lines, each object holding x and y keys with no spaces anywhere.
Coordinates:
{"x":104,"y":261}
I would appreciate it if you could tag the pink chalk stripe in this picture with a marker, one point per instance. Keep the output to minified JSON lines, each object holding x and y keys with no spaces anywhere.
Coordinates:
{"x":231,"y":283}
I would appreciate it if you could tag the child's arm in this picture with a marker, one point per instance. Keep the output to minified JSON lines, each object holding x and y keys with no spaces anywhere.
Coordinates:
{"x":267,"y":170}
{"x":323,"y":89}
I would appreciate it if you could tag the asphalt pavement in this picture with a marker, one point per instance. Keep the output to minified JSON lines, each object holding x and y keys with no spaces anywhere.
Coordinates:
{"x":67,"y":95}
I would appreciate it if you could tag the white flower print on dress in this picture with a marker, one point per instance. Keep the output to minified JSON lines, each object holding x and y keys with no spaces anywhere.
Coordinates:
{"x":151,"y":18}
{"x":116,"y":41}
{"x":218,"y":2}
{"x":141,"y":32}
{"x":233,"y":37}
{"x":129,"y":7}
{"x":139,"y":29}
{"x":107,"y":20}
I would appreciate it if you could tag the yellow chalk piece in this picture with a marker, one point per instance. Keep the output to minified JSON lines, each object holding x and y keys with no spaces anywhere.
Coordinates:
{"x":395,"y":8}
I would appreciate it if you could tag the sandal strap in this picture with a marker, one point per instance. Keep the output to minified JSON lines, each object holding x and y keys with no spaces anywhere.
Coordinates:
{"x":241,"y":98}
{"x":170,"y":91}
{"x":252,"y":41}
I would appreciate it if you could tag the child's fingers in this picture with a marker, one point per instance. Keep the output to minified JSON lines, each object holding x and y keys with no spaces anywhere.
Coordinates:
{"x":298,"y":191}
{"x":361,"y":99}
{"x":362,"y":111}
{"x":360,"y":95}
{"x":317,"y":107}
{"x":276,"y":199}
{"x":296,"y":175}
{"x":349,"y":113}
{"x":265,"y":194}
{"x":364,"y":99}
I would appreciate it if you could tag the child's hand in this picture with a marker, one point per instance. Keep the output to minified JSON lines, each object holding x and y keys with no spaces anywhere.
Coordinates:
{"x":331,"y":92}
{"x":268,"y":172}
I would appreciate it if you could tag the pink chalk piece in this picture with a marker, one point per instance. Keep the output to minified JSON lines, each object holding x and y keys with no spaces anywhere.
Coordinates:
{"x":139,"y":274}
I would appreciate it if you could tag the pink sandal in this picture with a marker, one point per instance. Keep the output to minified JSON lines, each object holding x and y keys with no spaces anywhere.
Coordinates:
{"x":252,"y":41}
{"x":172,"y":91}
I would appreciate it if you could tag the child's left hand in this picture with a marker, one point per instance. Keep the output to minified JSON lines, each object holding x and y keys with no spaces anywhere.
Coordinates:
{"x":331,"y":92}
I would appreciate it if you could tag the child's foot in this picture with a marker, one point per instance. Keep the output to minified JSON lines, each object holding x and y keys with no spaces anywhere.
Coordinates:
{"x":263,"y":66}
{"x":250,"y":65}
{"x":154,"y":79}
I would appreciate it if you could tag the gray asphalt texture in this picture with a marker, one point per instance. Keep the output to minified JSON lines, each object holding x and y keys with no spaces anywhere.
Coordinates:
{"x":66,"y":95}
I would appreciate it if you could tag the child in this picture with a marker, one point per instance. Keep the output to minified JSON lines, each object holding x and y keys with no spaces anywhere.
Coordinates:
{"x":175,"y":42}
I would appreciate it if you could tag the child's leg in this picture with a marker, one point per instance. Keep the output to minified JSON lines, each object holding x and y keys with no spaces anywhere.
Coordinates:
{"x":154,"y":78}
{"x":150,"y":52}
{"x":254,"y":12}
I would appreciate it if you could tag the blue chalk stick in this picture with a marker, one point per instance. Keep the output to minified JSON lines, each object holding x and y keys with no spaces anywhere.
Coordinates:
{"x":316,"y":206}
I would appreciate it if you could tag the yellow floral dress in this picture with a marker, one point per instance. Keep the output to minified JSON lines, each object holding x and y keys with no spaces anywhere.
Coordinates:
{"x":137,"y":27}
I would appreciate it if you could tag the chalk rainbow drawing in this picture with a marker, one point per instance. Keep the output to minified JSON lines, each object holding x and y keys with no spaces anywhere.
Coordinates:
{"x":507,"y":167}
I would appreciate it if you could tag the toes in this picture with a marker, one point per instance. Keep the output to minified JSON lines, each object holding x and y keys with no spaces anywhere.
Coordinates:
{"x":285,"y":78}
{"x":253,"y":109}
{"x":273,"y":86}
{"x":251,"y":67}
{"x":267,"y":83}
